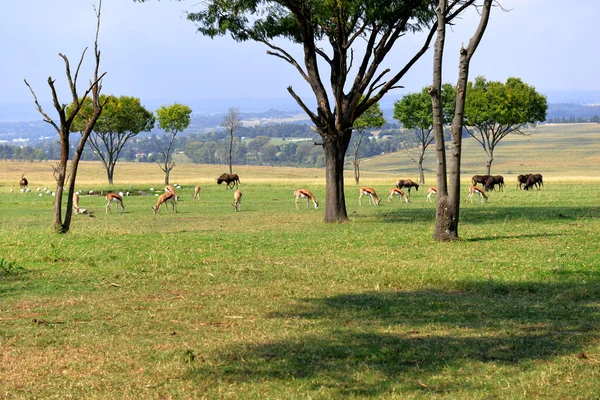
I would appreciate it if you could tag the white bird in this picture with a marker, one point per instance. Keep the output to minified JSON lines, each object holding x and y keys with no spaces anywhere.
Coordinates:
{"x":127,"y":193}
{"x":53,"y":194}
{"x":91,"y":192}
{"x":41,"y":194}
{"x":38,"y":189}
{"x":151,"y":189}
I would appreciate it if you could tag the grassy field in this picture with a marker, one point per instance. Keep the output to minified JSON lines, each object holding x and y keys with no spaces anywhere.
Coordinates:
{"x":271,"y":303}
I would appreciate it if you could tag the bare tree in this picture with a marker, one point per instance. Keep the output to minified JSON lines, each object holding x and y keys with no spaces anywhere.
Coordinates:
{"x":64,"y":176}
{"x":231,"y":122}
{"x":448,"y":196}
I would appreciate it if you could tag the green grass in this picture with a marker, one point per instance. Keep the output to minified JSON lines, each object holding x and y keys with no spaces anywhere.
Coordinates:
{"x":271,"y":303}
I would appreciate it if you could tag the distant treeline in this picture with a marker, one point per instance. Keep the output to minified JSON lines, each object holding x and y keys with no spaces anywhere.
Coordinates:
{"x":573,"y":120}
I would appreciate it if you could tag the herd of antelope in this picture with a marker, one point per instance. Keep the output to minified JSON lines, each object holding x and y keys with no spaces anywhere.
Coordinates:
{"x":488,"y":182}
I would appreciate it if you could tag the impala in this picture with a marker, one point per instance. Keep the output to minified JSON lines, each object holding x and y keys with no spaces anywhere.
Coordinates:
{"x":395,"y":191}
{"x":197,"y":193}
{"x":372,"y":195}
{"x":237,"y":196}
{"x":305,"y":194}
{"x":480,"y":193}
{"x":117,"y":199}
{"x":430,"y":192}
{"x":168,"y":197}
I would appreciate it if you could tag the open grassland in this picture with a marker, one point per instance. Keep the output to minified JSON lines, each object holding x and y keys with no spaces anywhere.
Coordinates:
{"x":271,"y":303}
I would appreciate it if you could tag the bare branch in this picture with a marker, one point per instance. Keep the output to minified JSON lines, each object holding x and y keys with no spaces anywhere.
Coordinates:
{"x":40,"y":110}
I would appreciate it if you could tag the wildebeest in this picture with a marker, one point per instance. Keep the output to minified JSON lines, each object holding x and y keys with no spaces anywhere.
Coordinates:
{"x":407,"y":183}
{"x":534,"y":180}
{"x":521,"y":180}
{"x":23,"y":182}
{"x":479,"y":179}
{"x":493,"y":181}
{"x":230,"y":179}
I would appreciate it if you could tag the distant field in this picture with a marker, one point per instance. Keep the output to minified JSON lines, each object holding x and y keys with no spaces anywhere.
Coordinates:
{"x":270,"y":303}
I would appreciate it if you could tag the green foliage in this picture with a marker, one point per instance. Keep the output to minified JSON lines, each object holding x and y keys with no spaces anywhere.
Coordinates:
{"x":173,"y":119}
{"x":121,"y":116}
{"x":509,"y":105}
{"x":372,"y":118}
{"x":415,"y":111}
{"x":10,"y":268}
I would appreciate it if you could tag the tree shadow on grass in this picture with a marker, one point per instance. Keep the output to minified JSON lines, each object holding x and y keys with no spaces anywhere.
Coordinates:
{"x":366,"y":344}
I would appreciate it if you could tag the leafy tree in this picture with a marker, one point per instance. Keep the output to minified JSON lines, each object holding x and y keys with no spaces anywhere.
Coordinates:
{"x":494,"y":110}
{"x":64,"y":176}
{"x":231,"y":122}
{"x":448,"y":195}
{"x":329,"y":33}
{"x":372,"y":118}
{"x":415,"y":112}
{"x":172,"y":119}
{"x":595,"y":118}
{"x":123,"y":118}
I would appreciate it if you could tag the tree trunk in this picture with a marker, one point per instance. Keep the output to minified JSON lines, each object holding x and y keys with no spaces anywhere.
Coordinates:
{"x":488,"y":165}
{"x":167,"y":171}
{"x":110,"y":171}
{"x":230,"y":152}
{"x":356,"y":172}
{"x":335,"y":147}
{"x":421,"y":171}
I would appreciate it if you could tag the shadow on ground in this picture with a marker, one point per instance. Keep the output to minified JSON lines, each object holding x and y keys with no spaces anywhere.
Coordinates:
{"x":363,"y":344}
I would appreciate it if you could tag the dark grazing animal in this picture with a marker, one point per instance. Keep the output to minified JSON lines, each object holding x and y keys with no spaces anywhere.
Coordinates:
{"x":23,"y":182}
{"x":492,"y":181}
{"x":534,"y":180}
{"x":479,"y":179}
{"x":407,"y":183}
{"x":230,"y":179}
{"x":521,"y":180}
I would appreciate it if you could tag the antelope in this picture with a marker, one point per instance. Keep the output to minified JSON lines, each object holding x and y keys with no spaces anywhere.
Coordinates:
{"x":407,"y":183}
{"x":399,"y":192}
{"x":480,"y":193}
{"x":23,"y":182}
{"x":197,"y":192}
{"x":431,"y":191}
{"x":116,"y":198}
{"x":170,"y":188}
{"x":237,"y":196}
{"x":167,"y":197}
{"x":305,"y":194}
{"x":372,"y":195}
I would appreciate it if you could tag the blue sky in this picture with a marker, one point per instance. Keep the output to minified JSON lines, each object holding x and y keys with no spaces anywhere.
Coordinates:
{"x":151,"y":51}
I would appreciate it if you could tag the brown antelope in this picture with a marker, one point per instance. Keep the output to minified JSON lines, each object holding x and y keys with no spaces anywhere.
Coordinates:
{"x":167,"y":197}
{"x":237,"y":196}
{"x":430,"y":192}
{"x":305,"y":194}
{"x":480,"y":193}
{"x":117,"y":199}
{"x":372,"y":195}
{"x":170,"y":188}
{"x":399,"y":192}
{"x":23,"y":182}
{"x":197,"y":192}
{"x":407,"y":183}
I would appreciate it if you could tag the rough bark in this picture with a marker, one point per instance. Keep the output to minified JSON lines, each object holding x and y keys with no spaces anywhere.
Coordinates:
{"x":335,"y":205}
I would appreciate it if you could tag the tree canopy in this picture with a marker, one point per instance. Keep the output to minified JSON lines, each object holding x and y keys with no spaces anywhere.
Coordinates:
{"x":172,"y":119}
{"x":494,"y":110}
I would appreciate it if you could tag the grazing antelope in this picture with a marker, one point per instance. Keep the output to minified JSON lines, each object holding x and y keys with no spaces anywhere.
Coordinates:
{"x":372,"y":195}
{"x":197,"y":193}
{"x":407,"y":183}
{"x":117,"y":199}
{"x":480,"y":193}
{"x":167,"y":197}
{"x":305,"y":194}
{"x":430,"y":192}
{"x":170,"y":188}
{"x":399,"y":192}
{"x":237,"y":196}
{"x":23,"y":182}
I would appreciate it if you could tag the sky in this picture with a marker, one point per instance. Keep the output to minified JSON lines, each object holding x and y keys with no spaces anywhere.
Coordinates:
{"x":152,"y":52}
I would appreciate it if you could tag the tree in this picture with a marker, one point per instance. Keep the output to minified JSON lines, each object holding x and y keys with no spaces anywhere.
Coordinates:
{"x":231,"y":122}
{"x":415,"y":112}
{"x":372,"y":118}
{"x":172,"y":119}
{"x":495,"y":110}
{"x":64,"y":176}
{"x":123,"y":118}
{"x":448,"y":190}
{"x":352,"y":88}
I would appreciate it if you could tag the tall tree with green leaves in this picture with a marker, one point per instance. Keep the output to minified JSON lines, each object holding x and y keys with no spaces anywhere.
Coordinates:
{"x":65,"y":172}
{"x":415,"y":113}
{"x":123,"y":118}
{"x":329,"y":33}
{"x":495,"y":110}
{"x":372,"y":118}
{"x":231,"y":122}
{"x":448,"y":173}
{"x":172,"y":119}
